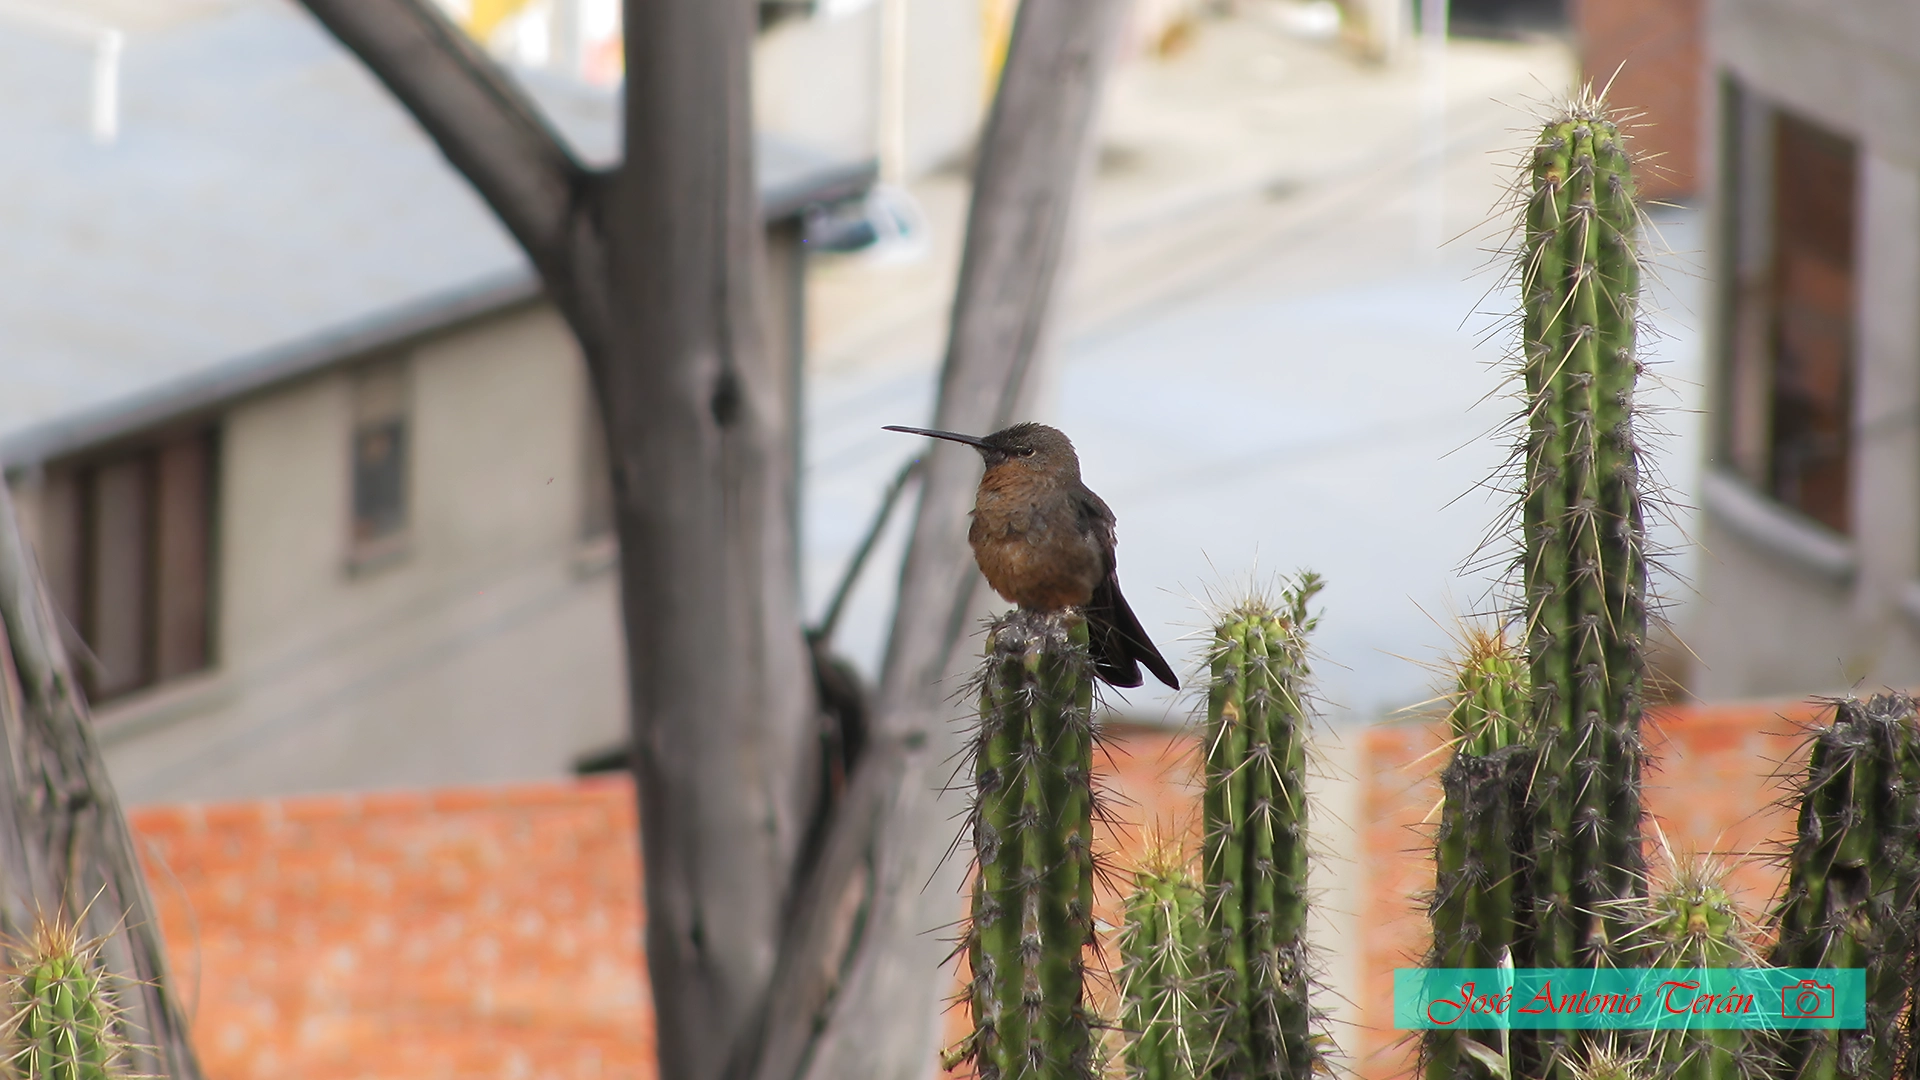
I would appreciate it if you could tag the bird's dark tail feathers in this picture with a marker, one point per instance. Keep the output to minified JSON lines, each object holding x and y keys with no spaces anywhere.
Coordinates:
{"x":1120,"y":646}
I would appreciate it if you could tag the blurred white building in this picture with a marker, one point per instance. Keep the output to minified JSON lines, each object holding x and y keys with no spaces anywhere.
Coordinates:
{"x":305,"y":455}
{"x":1811,"y":578}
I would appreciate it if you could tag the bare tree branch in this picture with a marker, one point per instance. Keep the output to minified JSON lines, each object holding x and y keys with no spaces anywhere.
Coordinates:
{"x":481,"y":121}
{"x":860,"y":979}
{"x":64,"y":842}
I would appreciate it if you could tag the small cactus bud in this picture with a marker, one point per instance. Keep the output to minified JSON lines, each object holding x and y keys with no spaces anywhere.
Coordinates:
{"x":62,"y":1023}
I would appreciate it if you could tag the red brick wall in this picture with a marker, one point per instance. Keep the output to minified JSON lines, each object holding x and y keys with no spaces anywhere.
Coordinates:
{"x":1397,"y":803}
{"x":1660,"y":42}
{"x":458,"y":934}
{"x":1712,"y":788}
{"x":434,"y":936}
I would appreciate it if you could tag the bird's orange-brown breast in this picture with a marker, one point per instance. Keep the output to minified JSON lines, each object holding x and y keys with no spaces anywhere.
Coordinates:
{"x":1028,"y":542}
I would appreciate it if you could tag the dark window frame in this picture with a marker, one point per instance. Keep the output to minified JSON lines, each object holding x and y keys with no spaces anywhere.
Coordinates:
{"x":380,"y":464}
{"x":128,"y":540}
{"x":1790,"y":354}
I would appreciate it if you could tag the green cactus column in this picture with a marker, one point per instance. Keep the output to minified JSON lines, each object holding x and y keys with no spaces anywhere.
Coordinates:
{"x":1165,"y":1002}
{"x":1254,"y":863}
{"x":1693,"y":922}
{"x":61,"y":1021}
{"x":1480,"y":907}
{"x":1851,"y":883}
{"x":1584,"y":567}
{"x":1032,"y":824}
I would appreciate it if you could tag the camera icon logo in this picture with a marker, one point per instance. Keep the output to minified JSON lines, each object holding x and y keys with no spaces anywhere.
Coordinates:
{"x":1806,"y":1000}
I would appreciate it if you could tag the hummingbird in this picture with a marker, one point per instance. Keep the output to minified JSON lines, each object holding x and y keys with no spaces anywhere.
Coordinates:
{"x":1045,"y":543}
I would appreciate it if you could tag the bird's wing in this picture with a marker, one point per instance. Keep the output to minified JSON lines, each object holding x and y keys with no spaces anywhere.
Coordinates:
{"x":1096,"y":519}
{"x":1123,"y":643}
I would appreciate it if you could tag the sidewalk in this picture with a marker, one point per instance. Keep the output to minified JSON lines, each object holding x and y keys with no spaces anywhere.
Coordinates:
{"x":1264,"y":357}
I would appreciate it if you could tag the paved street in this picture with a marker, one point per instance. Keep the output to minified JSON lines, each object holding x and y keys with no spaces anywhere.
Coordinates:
{"x":1265,"y":359}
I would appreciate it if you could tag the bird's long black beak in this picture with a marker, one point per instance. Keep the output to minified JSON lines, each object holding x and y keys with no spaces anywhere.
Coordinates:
{"x":947,"y":435}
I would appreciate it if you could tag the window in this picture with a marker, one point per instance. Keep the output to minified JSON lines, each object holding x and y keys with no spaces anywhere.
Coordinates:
{"x":379,"y":462}
{"x":126,"y":542}
{"x":1792,"y":356}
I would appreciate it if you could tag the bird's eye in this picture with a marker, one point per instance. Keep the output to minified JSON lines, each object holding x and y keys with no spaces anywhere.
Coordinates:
{"x":1026,"y":451}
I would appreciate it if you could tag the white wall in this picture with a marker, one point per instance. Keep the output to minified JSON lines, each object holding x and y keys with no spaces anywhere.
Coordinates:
{"x":1852,"y":65}
{"x":947,"y":90}
{"x":489,"y":651}
{"x":818,"y":79}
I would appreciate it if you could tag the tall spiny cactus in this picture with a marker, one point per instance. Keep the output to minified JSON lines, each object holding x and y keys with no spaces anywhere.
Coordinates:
{"x":61,"y":1023}
{"x":1693,"y":921}
{"x":1584,"y":563}
{"x":1851,"y":879}
{"x":1164,"y":994}
{"x":1480,"y":904}
{"x":1255,"y":850}
{"x":1033,"y":829}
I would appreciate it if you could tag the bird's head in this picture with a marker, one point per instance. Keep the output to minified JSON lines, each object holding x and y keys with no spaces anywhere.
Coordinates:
{"x":1033,"y":448}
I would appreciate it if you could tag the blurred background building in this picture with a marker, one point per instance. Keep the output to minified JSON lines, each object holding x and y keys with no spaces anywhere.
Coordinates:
{"x":308,"y":461}
{"x":1813,"y":497}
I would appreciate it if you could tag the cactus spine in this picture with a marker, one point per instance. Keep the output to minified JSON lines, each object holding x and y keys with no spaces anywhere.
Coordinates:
{"x":1607,"y":1060}
{"x":1693,"y":922}
{"x":1032,"y":828}
{"x":62,"y":1023}
{"x":1851,"y":883}
{"x":1480,"y":903}
{"x":1255,"y":850}
{"x":1163,"y":997}
{"x":1584,"y":564}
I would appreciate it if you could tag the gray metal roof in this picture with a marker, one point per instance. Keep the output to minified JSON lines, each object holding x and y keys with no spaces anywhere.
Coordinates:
{"x":266,"y":209}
